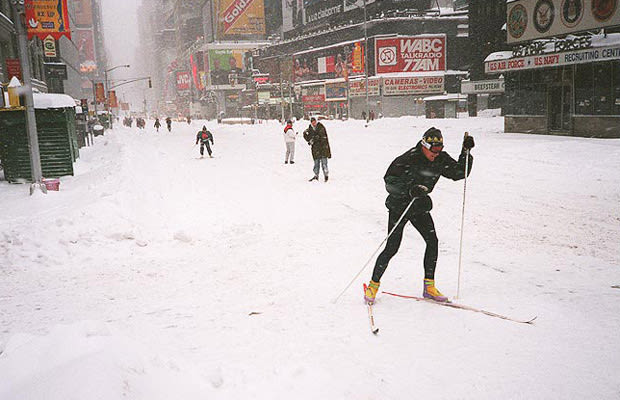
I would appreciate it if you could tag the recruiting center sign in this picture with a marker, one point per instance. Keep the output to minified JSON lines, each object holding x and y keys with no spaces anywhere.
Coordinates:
{"x":425,"y":53}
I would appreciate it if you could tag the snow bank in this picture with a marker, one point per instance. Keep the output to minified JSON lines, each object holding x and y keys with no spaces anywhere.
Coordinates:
{"x":87,"y":361}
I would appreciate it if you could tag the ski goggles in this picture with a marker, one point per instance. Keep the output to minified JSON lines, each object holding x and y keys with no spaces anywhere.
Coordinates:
{"x":434,"y":148}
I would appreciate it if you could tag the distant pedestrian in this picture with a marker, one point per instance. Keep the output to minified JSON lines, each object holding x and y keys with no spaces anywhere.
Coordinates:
{"x":157,"y":124}
{"x":316,"y":136}
{"x":169,"y":124}
{"x":204,"y":136}
{"x":289,"y":139}
{"x":364,"y":115}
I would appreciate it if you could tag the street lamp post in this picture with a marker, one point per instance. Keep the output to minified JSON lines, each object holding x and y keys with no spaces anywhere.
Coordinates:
{"x":107,"y":89}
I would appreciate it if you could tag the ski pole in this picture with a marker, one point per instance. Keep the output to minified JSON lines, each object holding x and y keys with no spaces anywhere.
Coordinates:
{"x":375,"y":252}
{"x":458,"y":284}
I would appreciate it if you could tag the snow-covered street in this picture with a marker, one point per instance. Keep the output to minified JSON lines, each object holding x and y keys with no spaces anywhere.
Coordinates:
{"x":153,"y":274}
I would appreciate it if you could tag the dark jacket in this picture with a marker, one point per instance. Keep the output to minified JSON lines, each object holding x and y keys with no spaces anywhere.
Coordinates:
{"x":204,"y":137}
{"x":413,"y":168}
{"x":317,"y":138}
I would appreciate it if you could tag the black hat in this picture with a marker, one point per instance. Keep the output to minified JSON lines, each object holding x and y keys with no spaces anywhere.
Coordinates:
{"x":432,"y":137}
{"x":289,"y":122}
{"x":312,"y":119}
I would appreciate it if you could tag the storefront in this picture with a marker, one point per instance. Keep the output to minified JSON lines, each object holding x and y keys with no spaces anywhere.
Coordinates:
{"x":571,"y":93}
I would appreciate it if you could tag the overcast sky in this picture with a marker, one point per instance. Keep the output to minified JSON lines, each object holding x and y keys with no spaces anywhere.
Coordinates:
{"x":120,"y":25}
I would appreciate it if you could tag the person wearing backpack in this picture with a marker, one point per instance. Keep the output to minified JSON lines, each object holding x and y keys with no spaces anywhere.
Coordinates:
{"x":204,"y":137}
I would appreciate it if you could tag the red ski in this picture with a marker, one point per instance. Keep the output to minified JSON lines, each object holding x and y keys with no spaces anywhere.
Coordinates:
{"x":462,"y":307}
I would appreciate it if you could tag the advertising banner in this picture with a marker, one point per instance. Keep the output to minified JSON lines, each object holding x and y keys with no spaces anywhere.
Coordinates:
{"x":83,"y":12}
{"x":86,"y":50}
{"x":357,"y":88}
{"x":335,"y":91}
{"x":319,"y":10}
{"x":242,"y":17}
{"x":535,"y":19}
{"x":341,"y":61}
{"x":100,"y":92}
{"x":113,"y":99}
{"x":292,"y":14}
{"x":413,"y":85}
{"x":183,"y":80}
{"x":426,"y":53}
{"x":47,"y":17}
{"x":13,"y":68}
{"x":55,"y":70}
{"x":223,"y":63}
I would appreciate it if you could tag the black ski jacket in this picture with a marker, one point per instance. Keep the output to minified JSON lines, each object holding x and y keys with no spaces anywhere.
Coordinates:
{"x":413,"y":168}
{"x":204,"y":137}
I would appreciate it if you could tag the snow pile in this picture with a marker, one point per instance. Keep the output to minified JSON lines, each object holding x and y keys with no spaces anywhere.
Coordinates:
{"x":87,"y":361}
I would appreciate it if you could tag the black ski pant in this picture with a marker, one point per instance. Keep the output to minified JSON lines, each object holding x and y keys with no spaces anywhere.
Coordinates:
{"x":424,"y":224}
{"x":202,"y":148}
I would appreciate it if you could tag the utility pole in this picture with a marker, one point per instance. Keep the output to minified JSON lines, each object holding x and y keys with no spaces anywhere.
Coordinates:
{"x":31,"y":121}
{"x":366,"y":63}
{"x":347,"y":53}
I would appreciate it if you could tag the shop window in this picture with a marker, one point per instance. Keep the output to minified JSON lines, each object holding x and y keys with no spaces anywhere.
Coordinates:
{"x":616,"y":87}
{"x":584,"y":89}
{"x":602,"y":89}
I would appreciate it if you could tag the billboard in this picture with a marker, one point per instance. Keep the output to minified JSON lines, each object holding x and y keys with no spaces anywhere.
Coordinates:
{"x":85,"y":44}
{"x":47,"y":17}
{"x":83,"y":12}
{"x":357,"y":88}
{"x":335,"y":91}
{"x":535,"y":19}
{"x":241,"y":17}
{"x":413,"y":85}
{"x":292,"y":14}
{"x":183,"y":80}
{"x":99,"y":92}
{"x":424,"y":53}
{"x":341,"y":61}
{"x":225,"y":62}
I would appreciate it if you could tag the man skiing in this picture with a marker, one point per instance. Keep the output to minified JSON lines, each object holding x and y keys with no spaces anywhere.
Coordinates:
{"x":316,"y":136}
{"x":411,"y":178}
{"x":289,"y":139}
{"x":204,"y":136}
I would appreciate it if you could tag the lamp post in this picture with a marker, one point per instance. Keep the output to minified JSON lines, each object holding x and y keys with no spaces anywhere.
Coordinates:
{"x":107,"y":90}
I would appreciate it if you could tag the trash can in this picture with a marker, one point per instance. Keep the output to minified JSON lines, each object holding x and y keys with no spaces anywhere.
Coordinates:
{"x":98,"y":130}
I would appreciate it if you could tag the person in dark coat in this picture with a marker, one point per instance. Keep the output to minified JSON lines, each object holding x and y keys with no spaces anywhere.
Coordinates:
{"x":316,"y":136}
{"x":157,"y":124}
{"x":204,"y":136}
{"x":411,"y":178}
{"x":169,"y":124}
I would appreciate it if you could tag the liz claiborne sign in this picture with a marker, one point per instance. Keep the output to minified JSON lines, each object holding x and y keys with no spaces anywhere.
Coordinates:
{"x":597,"y":54}
{"x":490,"y":86}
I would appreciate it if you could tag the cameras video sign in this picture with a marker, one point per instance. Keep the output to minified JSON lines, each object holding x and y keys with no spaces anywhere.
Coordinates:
{"x":535,"y":19}
{"x":425,"y":53}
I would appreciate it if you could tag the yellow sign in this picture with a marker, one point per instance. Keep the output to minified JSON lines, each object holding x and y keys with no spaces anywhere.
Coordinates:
{"x":47,"y":17}
{"x":241,"y":17}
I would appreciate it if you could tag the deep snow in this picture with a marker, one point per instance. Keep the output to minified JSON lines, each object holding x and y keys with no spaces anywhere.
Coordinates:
{"x":154,"y":274}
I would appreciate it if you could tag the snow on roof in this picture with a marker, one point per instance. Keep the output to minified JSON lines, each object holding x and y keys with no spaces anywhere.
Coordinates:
{"x":449,"y":96}
{"x":14,"y":82}
{"x":52,"y":100}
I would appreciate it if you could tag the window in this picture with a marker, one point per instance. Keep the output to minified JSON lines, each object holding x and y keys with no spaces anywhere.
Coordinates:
{"x":616,"y":87}
{"x":602,"y":89}
{"x":583,"y":89}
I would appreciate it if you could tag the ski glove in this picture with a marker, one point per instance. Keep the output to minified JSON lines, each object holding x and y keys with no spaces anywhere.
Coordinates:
{"x":468,"y":143}
{"x":418,"y":191}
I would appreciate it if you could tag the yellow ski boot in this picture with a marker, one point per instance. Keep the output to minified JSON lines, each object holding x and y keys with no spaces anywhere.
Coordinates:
{"x":431,"y":292}
{"x":370,"y":291}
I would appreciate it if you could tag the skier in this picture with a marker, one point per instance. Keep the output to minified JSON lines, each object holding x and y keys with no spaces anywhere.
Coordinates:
{"x":157,"y":124}
{"x":412,"y":177}
{"x":289,"y":139}
{"x":204,"y":136}
{"x":316,"y":136}
{"x":169,"y":124}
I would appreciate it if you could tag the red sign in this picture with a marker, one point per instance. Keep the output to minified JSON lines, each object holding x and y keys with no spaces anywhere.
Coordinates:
{"x":13,"y":68}
{"x":183,"y":80}
{"x":113,"y":99}
{"x":99,"y":92}
{"x":47,"y":17}
{"x":411,"y":54}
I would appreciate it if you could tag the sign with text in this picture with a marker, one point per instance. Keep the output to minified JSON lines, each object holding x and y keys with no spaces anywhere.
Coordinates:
{"x":113,"y":99}
{"x":335,"y":91}
{"x":13,"y":68}
{"x":425,"y":53}
{"x":183,"y":80}
{"x":99,"y":92}
{"x":357,"y":88}
{"x":242,"y":17}
{"x":47,"y":17}
{"x":413,"y":85}
{"x":489,"y":86}
{"x":49,"y":47}
{"x":535,"y":19}
{"x":56,"y":70}
{"x":553,"y":59}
